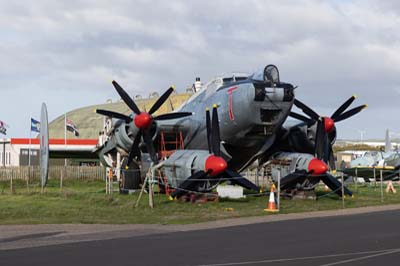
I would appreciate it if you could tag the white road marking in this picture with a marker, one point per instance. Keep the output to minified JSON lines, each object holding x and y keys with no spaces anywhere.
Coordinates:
{"x":380,"y":253}
{"x":361,"y":258}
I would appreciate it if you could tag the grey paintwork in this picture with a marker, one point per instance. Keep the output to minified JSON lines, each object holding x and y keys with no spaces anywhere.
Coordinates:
{"x":44,"y":145}
{"x":249,"y":125}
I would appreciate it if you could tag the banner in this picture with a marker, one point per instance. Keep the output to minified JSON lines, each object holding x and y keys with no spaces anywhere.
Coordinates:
{"x":35,"y":125}
{"x":3,"y":128}
{"x":72,"y":127}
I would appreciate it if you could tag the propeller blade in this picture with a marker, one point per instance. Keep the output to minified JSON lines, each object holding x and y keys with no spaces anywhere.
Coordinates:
{"x":135,"y":152}
{"x":215,"y":137}
{"x":301,"y":117}
{"x":331,"y":158}
{"x":327,"y":150}
{"x":208,"y":128}
{"x":188,"y":185}
{"x":149,"y":146}
{"x":343,"y":107}
{"x":320,"y":139}
{"x":126,"y":98}
{"x":307,"y":110}
{"x":114,"y":115}
{"x":172,"y":115}
{"x":161,"y":100}
{"x":350,"y":113}
{"x":335,"y":185}
{"x":291,"y":179}
{"x":237,"y":179}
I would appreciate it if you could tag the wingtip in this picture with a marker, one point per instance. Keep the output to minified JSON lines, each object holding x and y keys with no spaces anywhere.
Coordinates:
{"x":173,"y":87}
{"x":365,"y":106}
{"x":215,"y":105}
{"x":94,"y":110}
{"x":354,"y":96}
{"x":207,"y":109}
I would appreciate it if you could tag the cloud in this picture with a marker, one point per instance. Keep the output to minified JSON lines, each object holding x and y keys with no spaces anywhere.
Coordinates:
{"x":331,"y":49}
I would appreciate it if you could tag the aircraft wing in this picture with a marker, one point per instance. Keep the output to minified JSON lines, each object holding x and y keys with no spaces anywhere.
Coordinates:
{"x":73,"y":148}
{"x":60,"y":148}
{"x":388,"y":172}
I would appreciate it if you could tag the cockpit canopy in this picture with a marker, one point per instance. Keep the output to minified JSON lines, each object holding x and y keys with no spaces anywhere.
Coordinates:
{"x":224,"y":80}
{"x":270,"y":73}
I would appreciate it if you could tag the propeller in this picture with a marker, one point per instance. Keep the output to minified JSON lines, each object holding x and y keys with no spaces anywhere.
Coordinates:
{"x":142,"y":120}
{"x":315,"y":167}
{"x":318,"y":169}
{"x":215,"y":165}
{"x":325,"y":126}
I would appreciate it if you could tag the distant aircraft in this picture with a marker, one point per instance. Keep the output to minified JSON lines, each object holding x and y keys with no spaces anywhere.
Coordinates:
{"x":372,"y":163}
{"x":247,"y":124}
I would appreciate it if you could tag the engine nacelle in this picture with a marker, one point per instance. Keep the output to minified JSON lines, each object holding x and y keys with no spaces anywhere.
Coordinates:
{"x":184,"y":163}
{"x":287,"y":163}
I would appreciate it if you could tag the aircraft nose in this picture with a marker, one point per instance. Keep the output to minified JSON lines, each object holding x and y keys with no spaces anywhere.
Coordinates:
{"x":317,"y":167}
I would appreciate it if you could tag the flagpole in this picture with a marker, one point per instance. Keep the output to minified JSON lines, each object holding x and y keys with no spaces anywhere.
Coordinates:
{"x":30,"y":137}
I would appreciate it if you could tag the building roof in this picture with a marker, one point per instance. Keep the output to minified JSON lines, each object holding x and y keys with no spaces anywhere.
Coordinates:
{"x":89,"y":123}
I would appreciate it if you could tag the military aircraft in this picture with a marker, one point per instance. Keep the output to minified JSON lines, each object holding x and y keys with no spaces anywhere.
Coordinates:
{"x":372,"y":163}
{"x":248,"y":124}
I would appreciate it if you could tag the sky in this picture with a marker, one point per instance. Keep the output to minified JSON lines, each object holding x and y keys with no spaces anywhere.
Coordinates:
{"x":65,"y":53}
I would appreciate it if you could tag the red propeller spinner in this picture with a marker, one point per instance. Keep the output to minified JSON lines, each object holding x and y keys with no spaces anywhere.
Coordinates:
{"x":329,"y":124}
{"x":215,"y":165}
{"x":143,"y":120}
{"x":317,"y":167}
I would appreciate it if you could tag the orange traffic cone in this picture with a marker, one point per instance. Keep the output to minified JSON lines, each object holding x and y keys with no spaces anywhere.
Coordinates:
{"x":271,"y":207}
{"x":390,"y":188}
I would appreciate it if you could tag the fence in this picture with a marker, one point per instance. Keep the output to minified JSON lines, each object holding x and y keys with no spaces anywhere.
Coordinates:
{"x":68,"y":172}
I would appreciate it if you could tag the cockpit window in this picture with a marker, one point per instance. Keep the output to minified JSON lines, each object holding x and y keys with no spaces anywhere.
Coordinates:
{"x":269,"y":73}
{"x":228,"y":80}
{"x":241,"y":78}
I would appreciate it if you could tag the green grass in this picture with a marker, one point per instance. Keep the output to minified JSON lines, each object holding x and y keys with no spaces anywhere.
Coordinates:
{"x":86,"y":202}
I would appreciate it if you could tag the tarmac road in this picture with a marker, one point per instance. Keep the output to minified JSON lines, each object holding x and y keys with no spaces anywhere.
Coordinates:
{"x":361,"y":239}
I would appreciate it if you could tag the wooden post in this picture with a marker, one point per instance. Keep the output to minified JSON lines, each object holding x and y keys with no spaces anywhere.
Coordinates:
{"x":356,"y":180}
{"x":11,"y":184}
{"x":381,"y":186}
{"x":374,"y":178}
{"x":141,"y":192}
{"x":61,"y":181}
{"x":151,"y":194}
{"x":27,"y":179}
{"x":110,"y":182}
{"x":279,"y":191}
{"x":106,"y":182}
{"x":342,"y":179}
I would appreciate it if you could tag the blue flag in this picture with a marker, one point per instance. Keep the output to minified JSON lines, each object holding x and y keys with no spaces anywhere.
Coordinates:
{"x":35,"y":125}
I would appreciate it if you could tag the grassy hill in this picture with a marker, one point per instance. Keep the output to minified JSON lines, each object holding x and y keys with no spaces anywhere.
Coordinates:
{"x":89,"y":123}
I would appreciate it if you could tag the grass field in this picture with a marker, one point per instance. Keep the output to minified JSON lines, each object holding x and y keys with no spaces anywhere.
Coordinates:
{"x":86,"y":202}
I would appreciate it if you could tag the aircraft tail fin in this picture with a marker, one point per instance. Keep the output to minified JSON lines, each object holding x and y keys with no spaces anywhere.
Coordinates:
{"x":388,"y":144}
